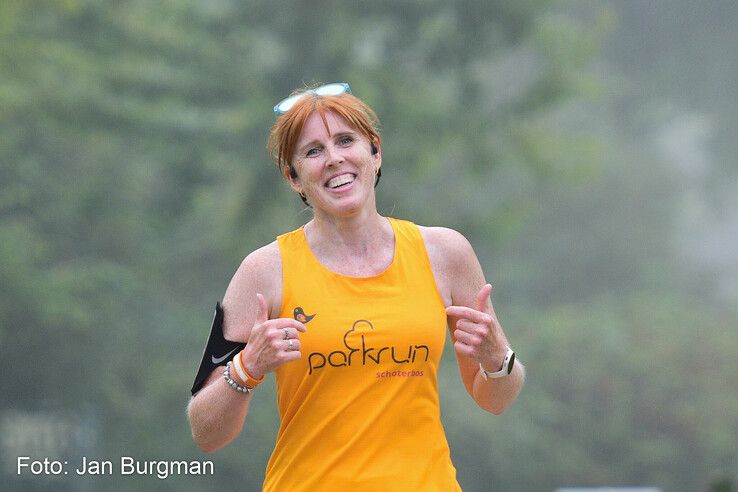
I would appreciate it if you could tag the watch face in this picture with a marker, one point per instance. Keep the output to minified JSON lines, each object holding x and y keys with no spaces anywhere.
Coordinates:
{"x":511,"y":363}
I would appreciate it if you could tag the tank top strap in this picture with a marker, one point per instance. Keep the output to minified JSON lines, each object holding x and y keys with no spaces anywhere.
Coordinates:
{"x":412,"y":260}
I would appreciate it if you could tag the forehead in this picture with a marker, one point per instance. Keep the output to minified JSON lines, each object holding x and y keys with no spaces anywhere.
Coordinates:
{"x":317,"y":128}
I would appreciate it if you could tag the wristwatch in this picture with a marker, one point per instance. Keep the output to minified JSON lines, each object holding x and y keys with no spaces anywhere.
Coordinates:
{"x":507,"y":367}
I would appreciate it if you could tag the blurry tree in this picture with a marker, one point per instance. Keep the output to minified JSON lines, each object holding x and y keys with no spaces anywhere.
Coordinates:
{"x":678,"y":58}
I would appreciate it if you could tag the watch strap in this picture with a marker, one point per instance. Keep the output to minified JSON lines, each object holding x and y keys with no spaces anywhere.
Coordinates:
{"x":507,"y":367}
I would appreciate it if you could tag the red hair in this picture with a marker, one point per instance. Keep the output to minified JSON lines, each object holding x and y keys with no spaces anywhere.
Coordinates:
{"x":286,"y":130}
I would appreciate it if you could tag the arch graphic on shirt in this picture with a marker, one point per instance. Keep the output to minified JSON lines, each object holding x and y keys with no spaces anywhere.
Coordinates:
{"x":366,"y":354}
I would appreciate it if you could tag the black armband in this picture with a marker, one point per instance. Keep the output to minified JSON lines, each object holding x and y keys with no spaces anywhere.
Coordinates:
{"x":218,"y":350}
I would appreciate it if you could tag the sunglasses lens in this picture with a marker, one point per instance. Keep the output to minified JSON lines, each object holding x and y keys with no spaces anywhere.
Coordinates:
{"x":325,"y":90}
{"x":332,"y":90}
{"x":285,"y":105}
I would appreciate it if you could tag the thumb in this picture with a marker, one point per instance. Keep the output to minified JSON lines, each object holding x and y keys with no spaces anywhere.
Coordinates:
{"x":262,"y":314}
{"x":482,"y":297}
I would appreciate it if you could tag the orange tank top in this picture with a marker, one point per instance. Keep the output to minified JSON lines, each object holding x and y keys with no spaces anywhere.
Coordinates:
{"x":360,"y":411}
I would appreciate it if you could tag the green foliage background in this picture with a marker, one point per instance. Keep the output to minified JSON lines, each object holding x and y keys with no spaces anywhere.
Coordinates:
{"x":586,"y":149}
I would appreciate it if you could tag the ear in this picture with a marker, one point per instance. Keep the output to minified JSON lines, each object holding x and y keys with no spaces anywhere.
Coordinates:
{"x":375,"y":148}
{"x":293,"y":179}
{"x":377,"y":153}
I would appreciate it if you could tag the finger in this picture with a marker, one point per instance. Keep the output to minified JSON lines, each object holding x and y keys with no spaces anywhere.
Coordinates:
{"x":280,"y":323}
{"x":463,"y":349}
{"x":290,"y":333}
{"x":477,"y":329}
{"x":491,"y":304}
{"x":467,"y":338}
{"x":464,"y":312}
{"x":292,"y":345}
{"x":290,"y":355}
{"x":262,"y":314}
{"x":482,"y":296}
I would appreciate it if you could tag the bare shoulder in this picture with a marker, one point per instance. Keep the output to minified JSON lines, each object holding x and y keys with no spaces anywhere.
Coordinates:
{"x":446,"y":247}
{"x":260,"y":272}
{"x":454,"y":263}
{"x":262,"y":259}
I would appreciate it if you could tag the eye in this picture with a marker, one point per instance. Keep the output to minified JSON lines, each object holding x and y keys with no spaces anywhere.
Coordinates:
{"x":345,"y":140}
{"x":312,"y":152}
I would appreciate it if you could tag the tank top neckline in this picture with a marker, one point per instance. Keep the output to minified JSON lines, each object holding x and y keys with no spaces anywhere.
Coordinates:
{"x":314,"y":259}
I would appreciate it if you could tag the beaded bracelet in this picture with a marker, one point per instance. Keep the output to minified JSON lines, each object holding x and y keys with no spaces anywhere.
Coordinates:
{"x":231,"y":382}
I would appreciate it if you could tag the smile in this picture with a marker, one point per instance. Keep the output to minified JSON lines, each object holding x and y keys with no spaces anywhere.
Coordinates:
{"x":340,"y":180}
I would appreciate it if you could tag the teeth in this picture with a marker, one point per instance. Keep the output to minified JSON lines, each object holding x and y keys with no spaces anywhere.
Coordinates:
{"x":340,"y":180}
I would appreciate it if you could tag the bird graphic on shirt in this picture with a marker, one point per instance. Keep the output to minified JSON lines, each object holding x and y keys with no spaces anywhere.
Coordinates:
{"x":300,"y":315}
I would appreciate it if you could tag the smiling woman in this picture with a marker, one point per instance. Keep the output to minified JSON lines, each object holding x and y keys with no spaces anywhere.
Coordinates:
{"x":333,"y":165}
{"x":357,"y":382}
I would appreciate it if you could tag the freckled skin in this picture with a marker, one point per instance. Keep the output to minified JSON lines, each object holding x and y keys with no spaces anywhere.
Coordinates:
{"x":324,"y":152}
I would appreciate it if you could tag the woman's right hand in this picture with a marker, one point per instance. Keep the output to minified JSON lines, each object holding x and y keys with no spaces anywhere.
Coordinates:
{"x":272,"y":342}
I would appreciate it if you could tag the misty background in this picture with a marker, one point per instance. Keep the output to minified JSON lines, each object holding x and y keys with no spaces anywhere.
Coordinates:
{"x":587,"y":149}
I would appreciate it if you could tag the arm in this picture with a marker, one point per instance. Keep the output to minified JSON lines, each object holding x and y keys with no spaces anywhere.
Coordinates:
{"x":475,"y":330}
{"x":217,"y":412}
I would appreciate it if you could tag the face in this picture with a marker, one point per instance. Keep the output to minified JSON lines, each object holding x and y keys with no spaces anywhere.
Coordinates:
{"x":335,"y":167}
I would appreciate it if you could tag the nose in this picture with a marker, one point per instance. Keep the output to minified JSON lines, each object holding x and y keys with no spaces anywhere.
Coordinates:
{"x":333,"y":155}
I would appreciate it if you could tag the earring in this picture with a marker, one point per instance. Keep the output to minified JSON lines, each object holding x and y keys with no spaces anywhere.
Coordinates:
{"x":304,"y":199}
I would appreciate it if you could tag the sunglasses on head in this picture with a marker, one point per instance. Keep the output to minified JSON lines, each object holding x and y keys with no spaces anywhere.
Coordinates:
{"x":336,"y":89}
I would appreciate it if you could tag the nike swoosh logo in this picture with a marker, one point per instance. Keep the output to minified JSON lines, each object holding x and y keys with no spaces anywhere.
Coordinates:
{"x":221,"y":359}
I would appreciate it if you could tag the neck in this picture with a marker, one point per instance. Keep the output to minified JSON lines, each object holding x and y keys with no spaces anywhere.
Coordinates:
{"x":356,"y":247}
{"x":358,"y":235}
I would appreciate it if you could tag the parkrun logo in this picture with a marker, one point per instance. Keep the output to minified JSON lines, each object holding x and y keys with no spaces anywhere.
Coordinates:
{"x":365,"y":354}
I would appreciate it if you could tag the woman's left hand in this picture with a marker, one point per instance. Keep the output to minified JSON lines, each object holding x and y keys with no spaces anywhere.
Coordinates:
{"x":478,"y":333}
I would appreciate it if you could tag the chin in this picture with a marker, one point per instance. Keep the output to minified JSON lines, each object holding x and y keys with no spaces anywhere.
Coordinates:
{"x":345,"y":209}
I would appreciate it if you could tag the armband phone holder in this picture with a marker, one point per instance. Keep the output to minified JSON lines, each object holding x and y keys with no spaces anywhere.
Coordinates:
{"x":218,"y":351}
